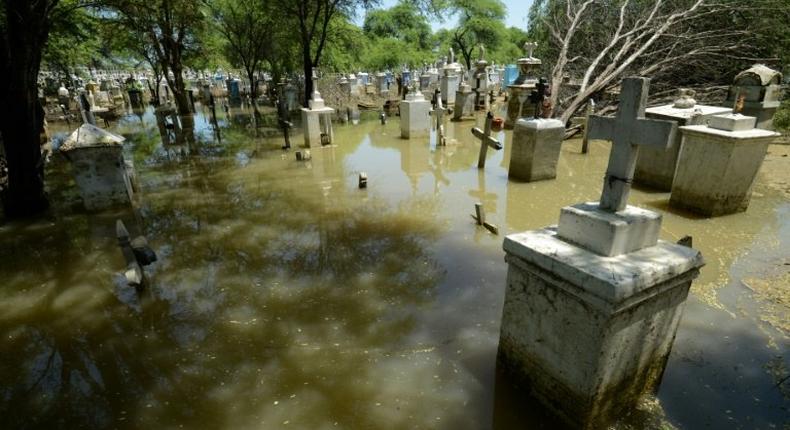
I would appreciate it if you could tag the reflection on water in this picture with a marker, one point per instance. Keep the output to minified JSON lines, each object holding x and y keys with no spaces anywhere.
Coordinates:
{"x":286,"y":296}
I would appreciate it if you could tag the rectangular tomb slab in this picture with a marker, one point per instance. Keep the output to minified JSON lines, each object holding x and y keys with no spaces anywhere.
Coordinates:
{"x":717,"y":169}
{"x":655,"y":167}
{"x":536,"y":149}
{"x":589,"y":334}
{"x":414,"y":117}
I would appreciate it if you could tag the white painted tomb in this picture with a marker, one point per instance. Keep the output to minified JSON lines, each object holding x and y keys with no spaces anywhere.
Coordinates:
{"x":655,"y":167}
{"x":464,"y":107}
{"x":100,"y":171}
{"x":718,"y":164}
{"x":317,"y":119}
{"x":520,"y":89}
{"x":450,"y":79}
{"x":414,"y":115}
{"x":536,"y":149}
{"x":592,"y":306}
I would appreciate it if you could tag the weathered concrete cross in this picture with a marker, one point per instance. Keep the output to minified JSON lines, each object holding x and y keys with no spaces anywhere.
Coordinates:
{"x":627,"y":131}
{"x":486,"y":140}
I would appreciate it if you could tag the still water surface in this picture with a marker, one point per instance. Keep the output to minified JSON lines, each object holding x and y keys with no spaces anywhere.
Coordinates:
{"x":286,"y":297}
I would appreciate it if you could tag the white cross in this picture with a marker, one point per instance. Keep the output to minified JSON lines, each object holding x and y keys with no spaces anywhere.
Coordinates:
{"x":439,"y":112}
{"x":627,"y":131}
{"x":316,"y":95}
{"x":486,"y":140}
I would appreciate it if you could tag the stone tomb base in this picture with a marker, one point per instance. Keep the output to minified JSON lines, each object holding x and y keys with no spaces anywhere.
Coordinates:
{"x":536,"y":149}
{"x":101,"y":175}
{"x":655,"y":167}
{"x":414,"y":117}
{"x":587,"y":334}
{"x":717,"y":168}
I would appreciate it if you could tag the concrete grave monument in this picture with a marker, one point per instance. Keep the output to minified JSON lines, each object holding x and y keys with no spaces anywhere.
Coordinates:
{"x":522,"y":86}
{"x":317,"y":119}
{"x":450,"y":79}
{"x":414,"y":111}
{"x":718,"y":164}
{"x":480,"y":80}
{"x":592,"y":306}
{"x":464,"y":107}
{"x":536,"y":143}
{"x":655,"y":167}
{"x":759,"y":89}
{"x":101,"y":174}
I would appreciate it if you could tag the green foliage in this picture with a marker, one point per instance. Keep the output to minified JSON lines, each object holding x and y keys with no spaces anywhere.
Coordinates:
{"x":403,"y":22}
{"x":72,"y":39}
{"x":480,"y":22}
{"x":347,"y":48}
{"x":782,"y":117}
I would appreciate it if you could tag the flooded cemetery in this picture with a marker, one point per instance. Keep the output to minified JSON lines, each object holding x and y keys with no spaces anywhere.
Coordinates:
{"x":485,"y":240}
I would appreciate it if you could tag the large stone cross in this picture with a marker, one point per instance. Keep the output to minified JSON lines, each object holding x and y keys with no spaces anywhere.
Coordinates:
{"x":627,"y":131}
{"x":486,"y":140}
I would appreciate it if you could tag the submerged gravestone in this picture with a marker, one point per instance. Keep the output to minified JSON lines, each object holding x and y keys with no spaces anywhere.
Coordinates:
{"x":464,"y":107}
{"x":536,"y":144}
{"x":317,"y":119}
{"x":655,"y":167}
{"x":450,"y":79}
{"x":758,"y":89}
{"x":100,"y":171}
{"x":414,"y":115}
{"x":481,"y":82}
{"x":718,"y":164}
{"x":592,"y":306}
{"x":524,"y":84}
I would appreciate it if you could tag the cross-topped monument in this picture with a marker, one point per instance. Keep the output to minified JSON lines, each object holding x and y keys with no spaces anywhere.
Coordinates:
{"x":486,"y":140}
{"x":627,"y":131}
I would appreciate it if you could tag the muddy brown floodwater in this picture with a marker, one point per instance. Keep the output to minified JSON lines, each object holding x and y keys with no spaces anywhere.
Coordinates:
{"x":286,"y":297}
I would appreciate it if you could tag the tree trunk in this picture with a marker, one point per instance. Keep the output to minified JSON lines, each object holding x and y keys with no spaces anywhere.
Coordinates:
{"x":21,"y":115}
{"x":179,"y":90}
{"x":308,"y":74}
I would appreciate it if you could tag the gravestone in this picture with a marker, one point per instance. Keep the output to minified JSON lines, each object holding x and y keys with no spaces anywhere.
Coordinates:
{"x":536,"y":143}
{"x":317,"y":119}
{"x":759,"y":89}
{"x":522,"y":86}
{"x":718,"y":164}
{"x":480,"y":80}
{"x":450,"y":79}
{"x":464,"y":107}
{"x":414,"y":111}
{"x":655,"y":167}
{"x":588,"y":322}
{"x":100,"y":171}
{"x":382,"y":88}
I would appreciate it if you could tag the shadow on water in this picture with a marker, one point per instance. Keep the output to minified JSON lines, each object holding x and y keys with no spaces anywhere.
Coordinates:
{"x":285,"y":295}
